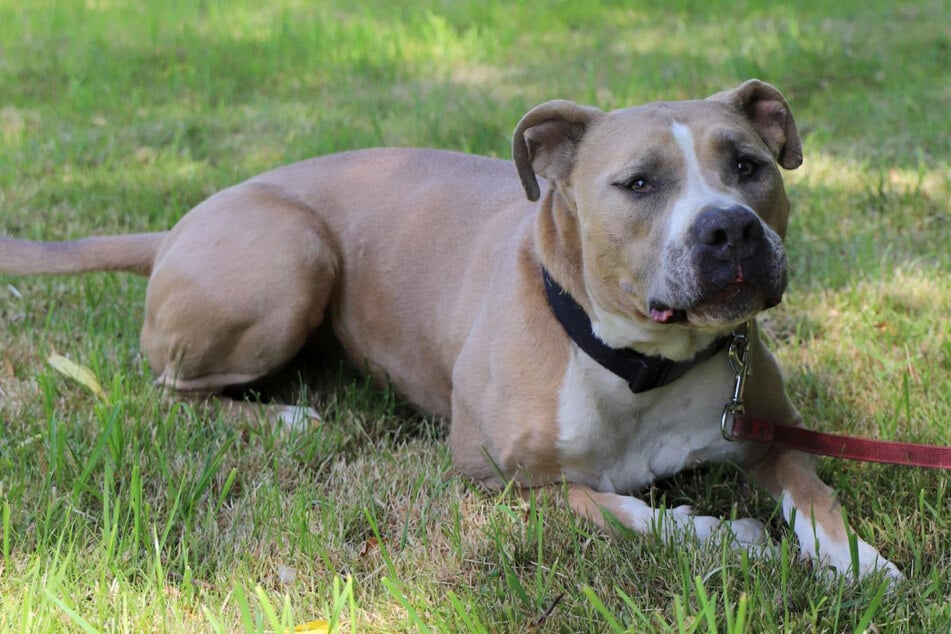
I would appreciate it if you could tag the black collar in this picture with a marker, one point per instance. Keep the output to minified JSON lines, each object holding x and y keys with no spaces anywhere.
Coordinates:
{"x":642,"y":372}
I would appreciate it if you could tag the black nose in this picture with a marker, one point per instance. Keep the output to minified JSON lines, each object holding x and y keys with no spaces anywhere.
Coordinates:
{"x":727,"y":234}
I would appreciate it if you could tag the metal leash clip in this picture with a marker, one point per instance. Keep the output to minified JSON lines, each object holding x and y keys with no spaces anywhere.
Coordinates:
{"x":741,"y":363}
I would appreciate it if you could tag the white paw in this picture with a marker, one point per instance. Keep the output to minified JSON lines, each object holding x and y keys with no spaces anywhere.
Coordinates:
{"x":829,"y":549}
{"x":870,"y":561}
{"x":297,"y":418}
{"x":747,"y":531}
{"x":742,"y":532}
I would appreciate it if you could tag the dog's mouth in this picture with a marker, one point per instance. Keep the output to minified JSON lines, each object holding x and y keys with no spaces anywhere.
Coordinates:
{"x":663,"y":314}
{"x":734,"y":302}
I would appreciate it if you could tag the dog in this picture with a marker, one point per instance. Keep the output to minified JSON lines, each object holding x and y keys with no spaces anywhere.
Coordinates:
{"x":501,"y":297}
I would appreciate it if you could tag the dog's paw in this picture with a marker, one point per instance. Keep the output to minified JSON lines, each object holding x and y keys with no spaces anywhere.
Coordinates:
{"x":870,"y":562}
{"x":296,"y":418}
{"x":833,"y":552}
{"x":743,"y":532}
{"x":748,"y":532}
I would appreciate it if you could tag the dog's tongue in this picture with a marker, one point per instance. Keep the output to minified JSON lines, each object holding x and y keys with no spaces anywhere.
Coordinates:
{"x":663,"y":315}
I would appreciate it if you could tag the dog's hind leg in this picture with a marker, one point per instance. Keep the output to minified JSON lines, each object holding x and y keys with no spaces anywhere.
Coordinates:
{"x":236,"y":290}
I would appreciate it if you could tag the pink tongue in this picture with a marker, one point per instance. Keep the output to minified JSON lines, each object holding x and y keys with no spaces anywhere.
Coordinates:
{"x":662,"y":316}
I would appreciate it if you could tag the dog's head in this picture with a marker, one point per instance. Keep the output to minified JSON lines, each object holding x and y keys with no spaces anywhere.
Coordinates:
{"x":679,"y":206}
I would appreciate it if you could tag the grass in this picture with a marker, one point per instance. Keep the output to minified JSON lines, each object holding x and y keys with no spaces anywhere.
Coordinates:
{"x":138,"y":514}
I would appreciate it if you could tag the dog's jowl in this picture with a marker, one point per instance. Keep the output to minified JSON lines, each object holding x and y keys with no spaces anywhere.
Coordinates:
{"x":570,"y":313}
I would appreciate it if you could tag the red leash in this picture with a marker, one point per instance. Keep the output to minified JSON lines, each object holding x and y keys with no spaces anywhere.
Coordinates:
{"x":850,"y":447}
{"x":735,"y":424}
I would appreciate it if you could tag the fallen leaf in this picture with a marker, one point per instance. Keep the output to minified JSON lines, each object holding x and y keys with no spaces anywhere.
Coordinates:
{"x":8,"y":366}
{"x":315,"y":627}
{"x":78,"y":373}
{"x":369,"y":546}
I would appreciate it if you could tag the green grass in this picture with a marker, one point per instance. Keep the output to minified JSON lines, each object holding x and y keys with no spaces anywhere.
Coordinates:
{"x":142,"y":515}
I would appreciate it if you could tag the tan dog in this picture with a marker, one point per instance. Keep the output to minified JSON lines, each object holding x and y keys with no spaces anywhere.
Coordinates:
{"x":664,"y":223}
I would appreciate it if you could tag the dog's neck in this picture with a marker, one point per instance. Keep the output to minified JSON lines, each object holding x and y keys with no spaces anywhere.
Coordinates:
{"x":641,"y":372}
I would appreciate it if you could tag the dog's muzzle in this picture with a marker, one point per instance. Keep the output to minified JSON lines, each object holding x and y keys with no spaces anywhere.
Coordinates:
{"x":731,"y":267}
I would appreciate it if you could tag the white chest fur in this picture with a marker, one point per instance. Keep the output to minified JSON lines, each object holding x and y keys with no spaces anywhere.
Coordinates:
{"x":613,"y":440}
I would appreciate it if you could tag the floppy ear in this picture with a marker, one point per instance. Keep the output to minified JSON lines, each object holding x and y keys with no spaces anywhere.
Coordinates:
{"x":767,"y":110}
{"x":545,"y":140}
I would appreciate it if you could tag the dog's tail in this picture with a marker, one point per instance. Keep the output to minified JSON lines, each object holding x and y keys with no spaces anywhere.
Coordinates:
{"x":132,"y":253}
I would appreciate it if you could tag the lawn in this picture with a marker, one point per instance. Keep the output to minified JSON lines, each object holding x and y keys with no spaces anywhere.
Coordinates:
{"x":134,"y":513}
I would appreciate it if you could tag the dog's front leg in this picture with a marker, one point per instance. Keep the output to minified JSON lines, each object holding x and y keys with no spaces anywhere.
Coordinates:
{"x":670,"y":524}
{"x":813,"y":511}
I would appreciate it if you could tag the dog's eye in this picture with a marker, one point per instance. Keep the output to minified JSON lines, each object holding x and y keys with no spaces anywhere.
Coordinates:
{"x":639,"y":185}
{"x":745,"y":167}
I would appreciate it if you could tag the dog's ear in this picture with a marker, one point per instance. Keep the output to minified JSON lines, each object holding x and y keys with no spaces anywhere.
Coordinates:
{"x":767,"y":110}
{"x":545,"y":141}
